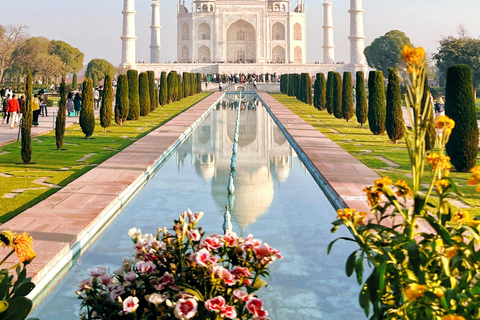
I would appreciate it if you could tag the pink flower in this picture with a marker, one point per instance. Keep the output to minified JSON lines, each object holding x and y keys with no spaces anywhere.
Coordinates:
{"x":225,"y":275}
{"x":266,"y":254}
{"x":194,"y":217}
{"x":145,"y":267}
{"x":240,"y":272}
{"x":105,"y":279}
{"x":228,"y":312}
{"x":240,"y":295}
{"x":250,"y":243}
{"x":211,"y":243}
{"x":185,"y":308}
{"x":230,"y":238}
{"x":193,"y":235}
{"x":98,"y":271}
{"x":130,"y":276}
{"x":215,"y":304}
{"x":167,"y":279}
{"x":86,"y":284}
{"x":203,"y":257}
{"x":116,"y":291}
{"x":130,"y":304}
{"x":255,"y":307}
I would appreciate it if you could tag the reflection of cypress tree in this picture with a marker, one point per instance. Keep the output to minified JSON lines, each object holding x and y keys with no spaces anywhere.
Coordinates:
{"x":361,"y":99}
{"x":122,"y":104}
{"x":347,"y":100}
{"x":144,"y":96}
{"x":152,"y":90}
{"x":27,"y":118}
{"x":337,"y":95}
{"x":107,"y":102}
{"x":394,"y":117}
{"x":134,"y":109}
{"x":376,"y":102}
{"x":329,"y":92}
{"x":163,"y":95}
{"x":87,"y":118}
{"x":460,"y":106}
{"x":61,"y":114}
{"x":430,"y":134}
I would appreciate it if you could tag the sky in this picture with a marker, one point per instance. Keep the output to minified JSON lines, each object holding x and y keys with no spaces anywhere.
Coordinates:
{"x":95,"y":26}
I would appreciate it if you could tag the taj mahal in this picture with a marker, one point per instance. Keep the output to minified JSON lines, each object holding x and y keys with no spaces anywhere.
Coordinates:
{"x":243,"y":36}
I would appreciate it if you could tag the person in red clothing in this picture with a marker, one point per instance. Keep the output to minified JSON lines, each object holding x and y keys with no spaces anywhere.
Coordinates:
{"x":13,"y":108}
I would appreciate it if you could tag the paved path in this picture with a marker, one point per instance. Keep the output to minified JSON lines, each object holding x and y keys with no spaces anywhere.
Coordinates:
{"x":45,"y":125}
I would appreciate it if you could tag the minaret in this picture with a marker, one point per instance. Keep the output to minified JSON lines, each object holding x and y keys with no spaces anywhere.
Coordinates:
{"x":128,"y":36}
{"x":328,"y":44}
{"x":357,"y":38}
{"x":155,"y":29}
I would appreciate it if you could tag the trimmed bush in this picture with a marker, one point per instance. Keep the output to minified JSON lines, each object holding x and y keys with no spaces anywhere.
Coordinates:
{"x":376,"y":102}
{"x":347,"y":98}
{"x":144,"y":96}
{"x":361,"y":109}
{"x":163,"y":94}
{"x":122,"y":104}
{"x":430,"y":134}
{"x":27,"y":117}
{"x":394,"y":116}
{"x":107,"y":103}
{"x":329,"y":92}
{"x":337,"y":95}
{"x":87,"y":118}
{"x":133,"y":99}
{"x":152,"y":90}
{"x":61,"y":117}
{"x":462,"y":147}
{"x":319,"y":92}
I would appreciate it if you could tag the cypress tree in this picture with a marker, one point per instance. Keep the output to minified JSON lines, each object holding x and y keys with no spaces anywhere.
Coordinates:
{"x":298,"y":87}
{"x":282,"y":83}
{"x":430,"y":134}
{"x":152,"y":90}
{"x":107,"y":102}
{"x":361,"y":109}
{"x":87,"y":118}
{"x":322,"y":88}
{"x":460,"y":106}
{"x":376,"y":102}
{"x":394,"y":117}
{"x":94,"y":80}
{"x":74,"y":82}
{"x":171,"y":79}
{"x":163,"y":94}
{"x":61,"y":117}
{"x":199,"y":82}
{"x":329,"y":92}
{"x":193,"y":85}
{"x":185,"y":85}
{"x":308,"y":81}
{"x":122,"y":105}
{"x":301,"y":94}
{"x":316,"y":91}
{"x":337,"y":95}
{"x":179,"y":87}
{"x":347,"y":100}
{"x":144,"y":94}
{"x":27,"y":118}
{"x":134,"y":101}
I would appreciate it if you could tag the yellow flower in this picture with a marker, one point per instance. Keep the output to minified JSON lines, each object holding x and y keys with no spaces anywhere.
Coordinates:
{"x":353,"y":215}
{"x":440,"y":162}
{"x":403,"y":190}
{"x":345,"y":214}
{"x":475,"y":178}
{"x":452,"y":317}
{"x":384,"y":181}
{"x":451,"y":252}
{"x":413,"y":57}
{"x":22,"y":244}
{"x":439,"y":292}
{"x":373,"y":195}
{"x":463,"y":216}
{"x":442,"y":185}
{"x":444,"y":122}
{"x":415,"y":291}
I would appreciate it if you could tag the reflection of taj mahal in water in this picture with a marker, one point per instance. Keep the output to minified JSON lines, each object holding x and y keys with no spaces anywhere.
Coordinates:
{"x":259,"y":164}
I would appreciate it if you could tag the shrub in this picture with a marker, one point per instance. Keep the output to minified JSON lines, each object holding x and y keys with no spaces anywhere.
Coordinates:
{"x":152,"y":90}
{"x":87,"y":118}
{"x":107,"y":102}
{"x":144,"y":96}
{"x":122,"y":105}
{"x":319,"y":92}
{"x":27,"y":118}
{"x":347,"y":99}
{"x":329,"y":92}
{"x":133,"y":99}
{"x":394,"y":116}
{"x":61,"y":114}
{"x":361,"y":109}
{"x":376,"y":102}
{"x":337,"y":95}
{"x":430,"y":134}
{"x":163,"y":94}
{"x":460,"y":106}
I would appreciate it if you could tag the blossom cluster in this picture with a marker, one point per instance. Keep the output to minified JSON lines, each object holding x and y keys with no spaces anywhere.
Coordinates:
{"x":22,"y":244}
{"x":181,"y":274}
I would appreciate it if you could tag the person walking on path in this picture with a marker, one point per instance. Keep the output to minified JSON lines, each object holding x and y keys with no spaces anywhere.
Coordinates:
{"x":439,"y":108}
{"x":13,"y":109}
{"x":96,"y":97}
{"x":35,"y":110}
{"x":70,"y":106}
{"x":77,"y":103}
{"x":6,"y":115}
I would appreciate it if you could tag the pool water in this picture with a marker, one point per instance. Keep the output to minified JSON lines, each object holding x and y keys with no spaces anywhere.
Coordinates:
{"x":276,"y":200}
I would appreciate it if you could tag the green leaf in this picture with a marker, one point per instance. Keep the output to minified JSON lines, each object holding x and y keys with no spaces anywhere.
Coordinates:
{"x":259,"y":283}
{"x":359,"y":270}
{"x":18,"y":309}
{"x":24,"y":289}
{"x":381,"y":276}
{"x":414,"y":256}
{"x":350,"y":265}
{"x":192,"y":291}
{"x":5,"y":284}
{"x":330,"y":245}
{"x":364,"y":301}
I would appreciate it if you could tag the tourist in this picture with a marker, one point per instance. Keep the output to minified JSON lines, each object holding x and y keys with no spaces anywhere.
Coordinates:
{"x":43,"y":103}
{"x":4,"y":108}
{"x":96,"y":97}
{"x":70,"y":106}
{"x":439,"y":108}
{"x":13,"y":109}
{"x":21,"y":104}
{"x":100,"y":95}
{"x":77,"y":103}
{"x":35,"y":110}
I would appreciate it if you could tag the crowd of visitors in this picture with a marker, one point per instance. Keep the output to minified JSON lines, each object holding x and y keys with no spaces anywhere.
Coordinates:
{"x":241,"y":78}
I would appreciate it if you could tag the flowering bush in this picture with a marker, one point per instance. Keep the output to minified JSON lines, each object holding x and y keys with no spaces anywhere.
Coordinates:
{"x":424,"y":255}
{"x":182,"y":275}
{"x":14,"y":304}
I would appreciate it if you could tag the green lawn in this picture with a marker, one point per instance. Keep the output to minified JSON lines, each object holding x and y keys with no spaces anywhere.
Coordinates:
{"x":61,"y":167}
{"x":371,"y":149}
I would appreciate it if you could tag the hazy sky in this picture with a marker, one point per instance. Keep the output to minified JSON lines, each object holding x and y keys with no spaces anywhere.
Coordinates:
{"x":95,"y":26}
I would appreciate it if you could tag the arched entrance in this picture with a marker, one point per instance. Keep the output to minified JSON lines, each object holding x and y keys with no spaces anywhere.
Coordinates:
{"x":241,"y":42}
{"x":204,"y":54}
{"x":278,"y":54}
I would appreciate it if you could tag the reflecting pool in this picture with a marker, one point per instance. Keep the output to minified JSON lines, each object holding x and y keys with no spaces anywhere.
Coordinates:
{"x":276,"y":200}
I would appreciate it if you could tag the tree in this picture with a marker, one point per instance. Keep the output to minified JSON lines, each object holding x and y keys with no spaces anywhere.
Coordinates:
{"x":61,"y":116}
{"x":74,"y":82}
{"x":185,"y":84}
{"x":361,"y":109}
{"x":306,"y":88}
{"x":107,"y":103}
{"x":329,"y":92}
{"x":134,"y":109}
{"x":11,"y":36}
{"x":97,"y":69}
{"x":72,"y":57}
{"x":394,"y":116}
{"x":143,"y":87}
{"x":319,"y":92}
{"x":385,"y":51}
{"x":347,"y":99}
{"x":172,"y":89}
{"x":163,"y":95}
{"x":337,"y":96}
{"x":376,"y":102}
{"x":27,"y":120}
{"x":430,"y":133}
{"x":87,"y":118}
{"x":179,"y":87}
{"x":199,"y":82}
{"x":460,"y":106}
{"x":152,"y":91}
{"x":122,"y":105}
